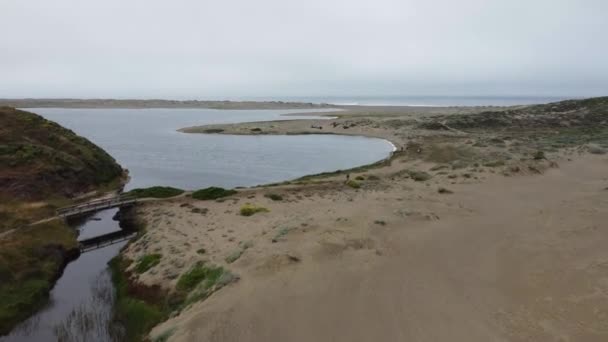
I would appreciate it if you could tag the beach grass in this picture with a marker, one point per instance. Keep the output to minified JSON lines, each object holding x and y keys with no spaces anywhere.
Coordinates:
{"x":251,"y":209}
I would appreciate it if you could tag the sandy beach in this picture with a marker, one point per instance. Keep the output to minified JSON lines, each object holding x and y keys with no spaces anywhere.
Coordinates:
{"x":467,"y":233}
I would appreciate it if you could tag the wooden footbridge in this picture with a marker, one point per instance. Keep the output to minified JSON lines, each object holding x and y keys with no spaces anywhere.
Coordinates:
{"x":95,"y":205}
{"x":100,"y":241}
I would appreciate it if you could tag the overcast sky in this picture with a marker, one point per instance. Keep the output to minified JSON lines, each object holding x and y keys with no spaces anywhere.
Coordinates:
{"x":221,"y":48}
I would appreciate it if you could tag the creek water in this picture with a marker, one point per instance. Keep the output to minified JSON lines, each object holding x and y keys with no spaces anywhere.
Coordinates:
{"x":146,"y":142}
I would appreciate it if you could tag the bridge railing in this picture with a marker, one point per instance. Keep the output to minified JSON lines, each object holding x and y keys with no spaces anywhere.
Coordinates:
{"x":95,"y":205}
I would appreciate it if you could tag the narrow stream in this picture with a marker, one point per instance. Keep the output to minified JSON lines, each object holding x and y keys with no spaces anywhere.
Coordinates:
{"x":145,"y":141}
{"x":80,"y":304}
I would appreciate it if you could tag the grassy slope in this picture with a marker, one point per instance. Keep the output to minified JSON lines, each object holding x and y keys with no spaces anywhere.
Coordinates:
{"x":42,"y":167}
{"x":43,"y":162}
{"x":39,"y":157}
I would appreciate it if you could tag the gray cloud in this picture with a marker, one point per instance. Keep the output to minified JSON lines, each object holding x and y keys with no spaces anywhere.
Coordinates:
{"x":206,"y":49}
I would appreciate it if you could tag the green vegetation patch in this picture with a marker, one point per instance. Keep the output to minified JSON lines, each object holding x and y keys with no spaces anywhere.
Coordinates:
{"x":30,"y":259}
{"x":47,"y":160}
{"x":146,"y":262}
{"x":251,"y":209}
{"x":353,"y":184}
{"x":155,"y":192}
{"x":139,"y":309}
{"x":164,"y":336}
{"x":212,"y":193}
{"x":274,"y":197}
{"x":136,"y":315}
{"x":198,"y":274}
{"x":419,"y":176}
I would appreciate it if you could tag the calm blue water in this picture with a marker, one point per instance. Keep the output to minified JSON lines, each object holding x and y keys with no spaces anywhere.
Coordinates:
{"x":146,"y":142}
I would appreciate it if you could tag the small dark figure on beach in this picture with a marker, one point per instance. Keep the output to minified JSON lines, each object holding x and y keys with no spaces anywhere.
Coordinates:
{"x":347,"y":177}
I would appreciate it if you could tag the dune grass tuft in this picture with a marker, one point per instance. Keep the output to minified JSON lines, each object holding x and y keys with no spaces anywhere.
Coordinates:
{"x":353,"y":184}
{"x":251,"y":209}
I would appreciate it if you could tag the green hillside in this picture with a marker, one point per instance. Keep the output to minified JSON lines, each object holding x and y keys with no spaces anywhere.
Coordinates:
{"x":38,"y":158}
{"x":42,"y":166}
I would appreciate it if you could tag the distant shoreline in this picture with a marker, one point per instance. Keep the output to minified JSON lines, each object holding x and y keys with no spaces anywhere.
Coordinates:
{"x":307,"y":108}
{"x":410,"y":102}
{"x":157,"y":103}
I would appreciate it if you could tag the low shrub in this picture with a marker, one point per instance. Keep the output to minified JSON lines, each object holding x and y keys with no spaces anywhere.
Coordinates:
{"x":539,"y":155}
{"x":282,"y":232}
{"x":353,"y":184}
{"x":444,"y":191}
{"x":274,"y":197}
{"x":212,"y":193}
{"x":155,"y":192}
{"x":250,"y":209}
{"x":419,"y":176}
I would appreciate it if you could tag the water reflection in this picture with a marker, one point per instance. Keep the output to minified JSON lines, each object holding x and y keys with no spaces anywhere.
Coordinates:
{"x":89,"y":320}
